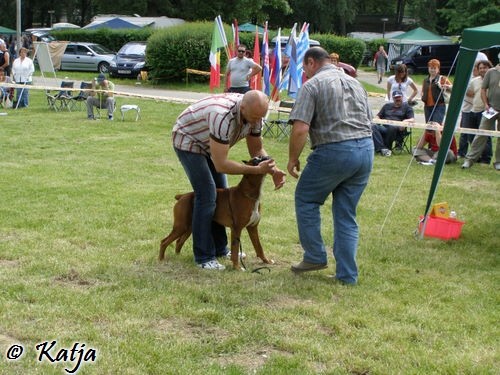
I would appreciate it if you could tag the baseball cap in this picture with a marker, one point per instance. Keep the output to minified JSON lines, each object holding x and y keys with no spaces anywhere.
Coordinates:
{"x":101,"y":77}
{"x":397,"y":93}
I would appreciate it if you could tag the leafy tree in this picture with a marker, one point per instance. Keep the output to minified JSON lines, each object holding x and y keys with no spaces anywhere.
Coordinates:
{"x":462,"y":14}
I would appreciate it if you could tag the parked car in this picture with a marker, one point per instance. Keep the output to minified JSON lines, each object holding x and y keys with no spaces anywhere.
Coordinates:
{"x":87,"y":57}
{"x":348,"y":69}
{"x":129,"y":61}
{"x":418,"y":56}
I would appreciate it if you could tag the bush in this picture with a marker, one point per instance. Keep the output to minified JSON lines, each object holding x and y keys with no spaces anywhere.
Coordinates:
{"x":350,"y":50}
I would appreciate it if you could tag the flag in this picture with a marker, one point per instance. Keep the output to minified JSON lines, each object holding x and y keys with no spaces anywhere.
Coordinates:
{"x":293,"y":78}
{"x":265,"y":62}
{"x":218,"y":41}
{"x":287,"y":52}
{"x":236,"y":38}
{"x":276,"y":68}
{"x":256,"y":81}
{"x":302,"y":47}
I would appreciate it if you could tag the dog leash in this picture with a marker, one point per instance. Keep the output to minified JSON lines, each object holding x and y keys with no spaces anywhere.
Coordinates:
{"x":255,"y":270}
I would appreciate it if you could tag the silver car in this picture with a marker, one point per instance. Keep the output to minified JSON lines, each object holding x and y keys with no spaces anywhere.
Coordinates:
{"x":87,"y":57}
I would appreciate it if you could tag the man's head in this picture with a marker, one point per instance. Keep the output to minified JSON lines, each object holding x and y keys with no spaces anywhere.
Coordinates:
{"x":254,"y":106}
{"x":314,"y":59}
{"x":483,"y":66}
{"x":101,"y":78}
{"x":241,"y":51}
{"x":397,"y":98}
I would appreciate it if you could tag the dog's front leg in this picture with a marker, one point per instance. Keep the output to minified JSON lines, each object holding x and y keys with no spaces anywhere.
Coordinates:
{"x":253,"y":232}
{"x":235,"y":248}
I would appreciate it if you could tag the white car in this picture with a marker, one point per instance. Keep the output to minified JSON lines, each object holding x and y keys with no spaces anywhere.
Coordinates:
{"x":87,"y":57}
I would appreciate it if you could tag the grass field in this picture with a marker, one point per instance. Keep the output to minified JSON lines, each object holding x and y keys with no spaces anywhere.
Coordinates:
{"x":84,"y":205}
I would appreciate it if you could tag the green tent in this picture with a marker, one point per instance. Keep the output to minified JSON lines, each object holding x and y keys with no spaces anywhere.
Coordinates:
{"x":402,"y":43}
{"x":6,"y":31}
{"x":250,"y":28}
{"x":473,"y":40}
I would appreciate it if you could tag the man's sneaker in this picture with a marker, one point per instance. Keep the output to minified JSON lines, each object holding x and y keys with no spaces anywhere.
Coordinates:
{"x":467,"y":164}
{"x":425,"y":163}
{"x":497,"y":166}
{"x":386,"y":152}
{"x":212,"y":265}
{"x":110,"y":117}
{"x":90,"y":118}
{"x":306,"y":267}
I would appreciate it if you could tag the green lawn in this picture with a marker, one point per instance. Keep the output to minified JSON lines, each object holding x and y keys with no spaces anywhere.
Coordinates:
{"x":84,"y":205}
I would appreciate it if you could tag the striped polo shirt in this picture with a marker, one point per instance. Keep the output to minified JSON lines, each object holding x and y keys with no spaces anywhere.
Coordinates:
{"x":216,"y":117}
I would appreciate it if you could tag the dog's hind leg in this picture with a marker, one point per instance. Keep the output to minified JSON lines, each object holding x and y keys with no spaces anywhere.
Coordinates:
{"x":253,"y":232}
{"x":181,"y":240}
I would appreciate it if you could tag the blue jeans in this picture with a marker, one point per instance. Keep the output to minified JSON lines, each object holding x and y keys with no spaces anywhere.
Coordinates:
{"x":22,"y":97}
{"x":435,"y":113}
{"x":209,"y":238}
{"x":341,"y":169}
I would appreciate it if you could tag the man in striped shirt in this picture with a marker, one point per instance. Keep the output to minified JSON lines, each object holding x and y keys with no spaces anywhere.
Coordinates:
{"x":202,"y":136}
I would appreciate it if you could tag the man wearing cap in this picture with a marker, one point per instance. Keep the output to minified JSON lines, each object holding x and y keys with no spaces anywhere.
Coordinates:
{"x":397,"y":110}
{"x":102,"y":97}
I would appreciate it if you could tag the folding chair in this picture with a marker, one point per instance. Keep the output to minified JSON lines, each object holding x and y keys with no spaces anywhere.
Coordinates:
{"x":62,"y":99}
{"x":403,"y":142}
{"x":279,"y":127}
{"x":76,"y":101}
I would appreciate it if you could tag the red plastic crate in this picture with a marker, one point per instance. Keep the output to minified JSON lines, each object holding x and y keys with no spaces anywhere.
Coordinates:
{"x":443,"y":228}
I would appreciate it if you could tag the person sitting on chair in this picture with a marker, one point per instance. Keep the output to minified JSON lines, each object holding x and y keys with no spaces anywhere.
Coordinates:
{"x":395,"y":111}
{"x":101,"y":99}
{"x":432,"y":138}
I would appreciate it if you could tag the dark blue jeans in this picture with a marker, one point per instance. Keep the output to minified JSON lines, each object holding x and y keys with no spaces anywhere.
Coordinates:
{"x":209,"y":238}
{"x":472,"y":120}
{"x":435,"y":113}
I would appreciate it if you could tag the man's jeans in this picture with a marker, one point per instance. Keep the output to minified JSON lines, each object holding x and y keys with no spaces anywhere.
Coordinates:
{"x":209,"y":238}
{"x":341,"y":169}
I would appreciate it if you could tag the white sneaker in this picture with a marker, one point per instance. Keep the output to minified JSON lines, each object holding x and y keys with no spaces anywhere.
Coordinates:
{"x":241,"y":255}
{"x":467,"y":164}
{"x":212,"y":265}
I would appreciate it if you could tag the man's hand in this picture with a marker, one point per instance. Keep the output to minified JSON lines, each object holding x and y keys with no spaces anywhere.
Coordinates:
{"x":293,"y":168}
{"x":279,"y":178}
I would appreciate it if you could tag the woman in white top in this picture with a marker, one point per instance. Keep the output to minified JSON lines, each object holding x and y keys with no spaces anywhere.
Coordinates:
{"x":400,"y":81}
{"x":22,"y":71}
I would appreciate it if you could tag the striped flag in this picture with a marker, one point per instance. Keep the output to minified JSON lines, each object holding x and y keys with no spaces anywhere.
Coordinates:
{"x":287,"y":52}
{"x":276,"y":68}
{"x":218,"y":41}
{"x":296,"y":70}
{"x":265,"y":62}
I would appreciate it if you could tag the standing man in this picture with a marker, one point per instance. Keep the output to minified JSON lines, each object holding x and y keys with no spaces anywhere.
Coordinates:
{"x":22,"y":71}
{"x":240,"y":70}
{"x":332,"y":108}
{"x":202,"y":137}
{"x":490,"y":94}
{"x":101,"y":99}
{"x":380,"y":61}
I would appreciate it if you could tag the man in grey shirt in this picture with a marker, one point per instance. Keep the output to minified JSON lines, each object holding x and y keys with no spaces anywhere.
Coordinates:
{"x":332,"y":108}
{"x":239,"y":70}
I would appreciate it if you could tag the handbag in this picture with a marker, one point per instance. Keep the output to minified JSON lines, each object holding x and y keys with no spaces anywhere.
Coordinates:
{"x":445,"y":93}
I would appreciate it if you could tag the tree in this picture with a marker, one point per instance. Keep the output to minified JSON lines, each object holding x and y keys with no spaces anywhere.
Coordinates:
{"x":462,"y":14}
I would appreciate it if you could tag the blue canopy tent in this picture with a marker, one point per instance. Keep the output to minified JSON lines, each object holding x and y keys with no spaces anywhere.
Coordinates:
{"x":250,"y":28}
{"x":113,"y":23}
{"x":473,"y":40}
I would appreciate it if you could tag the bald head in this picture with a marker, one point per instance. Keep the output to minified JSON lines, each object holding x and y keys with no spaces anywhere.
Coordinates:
{"x":254,"y":105}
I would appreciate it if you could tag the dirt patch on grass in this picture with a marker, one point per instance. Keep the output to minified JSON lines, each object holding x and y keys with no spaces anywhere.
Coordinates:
{"x":251,"y":360}
{"x":8,"y":263}
{"x":74,"y":278}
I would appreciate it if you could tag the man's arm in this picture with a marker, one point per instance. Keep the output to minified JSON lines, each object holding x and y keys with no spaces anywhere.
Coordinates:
{"x":219,"y":153}
{"x":484,"y":98}
{"x":298,"y":139}
{"x":6,"y":60}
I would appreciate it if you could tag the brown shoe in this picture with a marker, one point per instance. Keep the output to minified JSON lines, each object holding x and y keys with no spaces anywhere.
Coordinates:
{"x":306,"y":267}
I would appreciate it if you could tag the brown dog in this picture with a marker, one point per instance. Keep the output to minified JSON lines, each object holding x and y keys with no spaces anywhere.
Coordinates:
{"x":238,"y":207}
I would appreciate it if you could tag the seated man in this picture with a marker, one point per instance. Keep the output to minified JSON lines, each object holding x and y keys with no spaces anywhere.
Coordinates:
{"x":432,"y":138}
{"x":101,"y":99}
{"x":394,"y":111}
